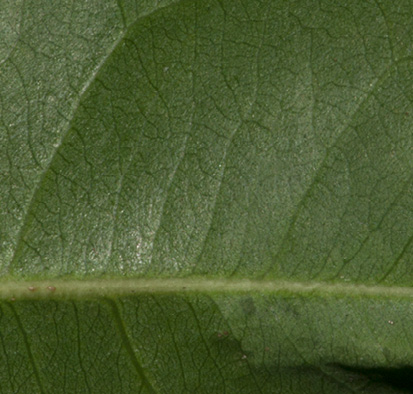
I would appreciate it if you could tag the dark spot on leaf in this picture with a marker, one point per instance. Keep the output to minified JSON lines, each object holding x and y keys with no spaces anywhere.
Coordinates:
{"x":227,"y":344}
{"x":248,"y":306}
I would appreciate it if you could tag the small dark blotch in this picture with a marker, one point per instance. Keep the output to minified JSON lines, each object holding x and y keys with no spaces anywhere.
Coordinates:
{"x":248,"y":306}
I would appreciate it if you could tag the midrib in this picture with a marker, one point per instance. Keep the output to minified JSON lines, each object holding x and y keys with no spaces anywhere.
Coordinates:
{"x":87,"y":289}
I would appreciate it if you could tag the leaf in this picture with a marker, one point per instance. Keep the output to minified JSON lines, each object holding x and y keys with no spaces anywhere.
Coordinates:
{"x":206,"y":196}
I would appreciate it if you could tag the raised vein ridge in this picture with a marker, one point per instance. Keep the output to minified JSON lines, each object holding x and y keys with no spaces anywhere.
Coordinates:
{"x":86,"y":289}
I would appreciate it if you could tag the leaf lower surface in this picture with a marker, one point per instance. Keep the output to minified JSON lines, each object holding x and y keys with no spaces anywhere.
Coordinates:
{"x":210,"y":196}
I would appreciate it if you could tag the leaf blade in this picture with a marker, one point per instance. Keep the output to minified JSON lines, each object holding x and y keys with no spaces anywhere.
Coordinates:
{"x":161,"y":160}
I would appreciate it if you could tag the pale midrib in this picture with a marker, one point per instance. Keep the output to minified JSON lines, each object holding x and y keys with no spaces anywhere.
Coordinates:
{"x":87,"y":289}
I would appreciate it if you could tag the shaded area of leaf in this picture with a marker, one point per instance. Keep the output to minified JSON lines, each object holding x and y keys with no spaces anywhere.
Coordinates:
{"x":399,"y":379}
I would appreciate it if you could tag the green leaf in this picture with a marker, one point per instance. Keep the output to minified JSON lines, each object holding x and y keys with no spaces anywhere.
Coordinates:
{"x":206,"y":197}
